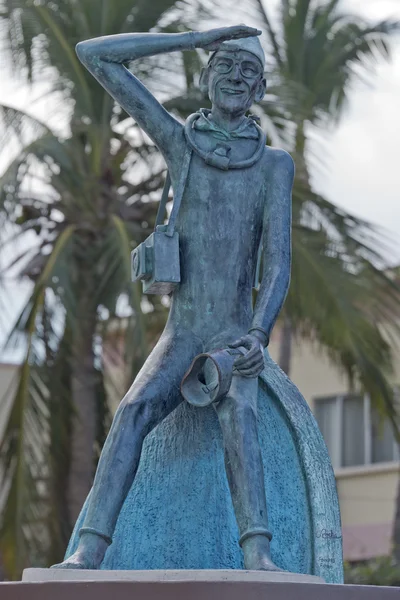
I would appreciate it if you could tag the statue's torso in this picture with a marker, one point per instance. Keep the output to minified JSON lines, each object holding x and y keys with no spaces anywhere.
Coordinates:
{"x":219,"y":225}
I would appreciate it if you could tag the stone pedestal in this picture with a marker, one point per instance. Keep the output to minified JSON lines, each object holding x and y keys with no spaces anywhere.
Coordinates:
{"x":171,"y":576}
{"x":42,"y":584}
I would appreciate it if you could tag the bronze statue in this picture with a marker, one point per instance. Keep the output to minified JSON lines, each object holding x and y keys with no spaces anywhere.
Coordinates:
{"x":234,"y":193}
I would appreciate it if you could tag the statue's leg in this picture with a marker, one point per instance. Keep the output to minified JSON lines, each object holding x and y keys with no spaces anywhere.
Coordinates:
{"x":237,"y":414}
{"x":153,"y":395}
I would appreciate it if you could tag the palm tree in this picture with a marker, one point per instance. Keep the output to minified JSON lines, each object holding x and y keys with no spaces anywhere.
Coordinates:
{"x":89,"y":195}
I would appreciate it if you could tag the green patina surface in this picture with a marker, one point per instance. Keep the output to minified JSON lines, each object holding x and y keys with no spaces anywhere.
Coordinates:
{"x":176,"y":486}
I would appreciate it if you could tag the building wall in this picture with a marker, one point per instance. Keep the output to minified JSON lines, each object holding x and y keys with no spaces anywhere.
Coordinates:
{"x":311,"y":370}
{"x":367,"y":493}
{"x":367,"y":500}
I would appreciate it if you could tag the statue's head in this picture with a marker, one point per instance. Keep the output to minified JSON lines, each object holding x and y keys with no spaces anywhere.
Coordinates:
{"x":234,"y":77}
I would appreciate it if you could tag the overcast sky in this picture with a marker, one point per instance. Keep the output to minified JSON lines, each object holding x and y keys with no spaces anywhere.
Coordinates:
{"x":363,"y":153}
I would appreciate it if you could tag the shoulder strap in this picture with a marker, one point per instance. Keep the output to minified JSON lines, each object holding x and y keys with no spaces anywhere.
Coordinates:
{"x":164,"y":199}
{"x":170,"y":228}
{"x":180,"y":188}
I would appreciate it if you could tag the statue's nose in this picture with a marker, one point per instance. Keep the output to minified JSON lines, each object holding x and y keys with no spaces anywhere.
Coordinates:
{"x":235,"y":73}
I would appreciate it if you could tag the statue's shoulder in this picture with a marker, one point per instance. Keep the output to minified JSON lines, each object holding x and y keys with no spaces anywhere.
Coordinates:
{"x":278,"y":157}
{"x":278,"y":162}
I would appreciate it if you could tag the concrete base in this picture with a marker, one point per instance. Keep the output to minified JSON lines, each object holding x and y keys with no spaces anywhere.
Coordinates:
{"x":179,"y":589}
{"x":156,"y":576}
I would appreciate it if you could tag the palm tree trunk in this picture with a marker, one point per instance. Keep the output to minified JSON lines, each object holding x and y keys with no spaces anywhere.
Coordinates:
{"x":83,"y":386}
{"x":300,"y":158}
{"x":396,"y":528}
{"x":2,"y":576}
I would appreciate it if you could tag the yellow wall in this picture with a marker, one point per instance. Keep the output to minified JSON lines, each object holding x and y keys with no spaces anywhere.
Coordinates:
{"x":311,"y":370}
{"x":368,"y":494}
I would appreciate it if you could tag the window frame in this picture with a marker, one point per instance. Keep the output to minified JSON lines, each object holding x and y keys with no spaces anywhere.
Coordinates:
{"x":337,"y":454}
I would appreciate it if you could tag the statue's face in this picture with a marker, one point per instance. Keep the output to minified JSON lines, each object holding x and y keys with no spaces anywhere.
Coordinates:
{"x":234,"y":80}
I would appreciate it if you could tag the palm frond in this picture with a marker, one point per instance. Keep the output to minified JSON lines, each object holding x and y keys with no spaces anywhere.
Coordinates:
{"x":271,"y":33}
{"x":23,"y":435}
{"x":134,"y":294}
{"x":20,"y":125}
{"x":347,"y":314}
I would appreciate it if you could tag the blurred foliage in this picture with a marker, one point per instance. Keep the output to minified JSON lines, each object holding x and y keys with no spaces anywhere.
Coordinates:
{"x":379,"y":571}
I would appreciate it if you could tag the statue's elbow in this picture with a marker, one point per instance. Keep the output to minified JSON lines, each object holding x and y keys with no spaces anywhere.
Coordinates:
{"x":83,"y":51}
{"x":80,"y":50}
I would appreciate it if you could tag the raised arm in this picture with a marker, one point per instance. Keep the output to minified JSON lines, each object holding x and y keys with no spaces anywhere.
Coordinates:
{"x":276,"y":244}
{"x":105,"y":58}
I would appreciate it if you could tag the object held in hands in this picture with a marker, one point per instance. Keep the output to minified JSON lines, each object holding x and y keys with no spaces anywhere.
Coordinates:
{"x":209,"y":377}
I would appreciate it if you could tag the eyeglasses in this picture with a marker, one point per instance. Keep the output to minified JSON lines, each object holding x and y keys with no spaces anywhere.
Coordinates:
{"x":225,"y":65}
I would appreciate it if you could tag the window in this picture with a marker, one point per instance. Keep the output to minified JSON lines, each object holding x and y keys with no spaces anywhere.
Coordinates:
{"x":353,"y":431}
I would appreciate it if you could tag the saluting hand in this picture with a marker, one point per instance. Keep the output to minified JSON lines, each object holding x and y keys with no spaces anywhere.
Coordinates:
{"x":213,"y":38}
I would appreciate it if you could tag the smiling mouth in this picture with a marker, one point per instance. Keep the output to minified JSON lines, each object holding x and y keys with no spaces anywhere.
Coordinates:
{"x":233,"y":92}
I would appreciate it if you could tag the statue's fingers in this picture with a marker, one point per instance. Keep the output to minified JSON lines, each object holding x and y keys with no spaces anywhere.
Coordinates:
{"x":241,"y":361}
{"x":243,"y":341}
{"x":249,"y":359}
{"x":212,"y":47}
{"x":212,"y":39}
{"x":253,"y":353}
{"x":240,"y":31}
{"x":254,"y":366}
{"x":249,"y":373}
{"x":254,"y":362}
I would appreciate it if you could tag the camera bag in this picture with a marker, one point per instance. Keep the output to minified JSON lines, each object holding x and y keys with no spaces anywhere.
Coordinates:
{"x":155,"y":262}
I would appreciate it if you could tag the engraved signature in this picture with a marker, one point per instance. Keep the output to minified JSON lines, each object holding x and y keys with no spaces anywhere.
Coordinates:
{"x":327,"y":561}
{"x":328,"y":534}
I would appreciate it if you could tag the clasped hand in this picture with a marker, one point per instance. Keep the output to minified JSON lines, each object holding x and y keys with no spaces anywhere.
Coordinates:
{"x":252,"y":363}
